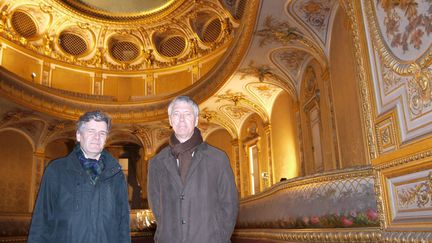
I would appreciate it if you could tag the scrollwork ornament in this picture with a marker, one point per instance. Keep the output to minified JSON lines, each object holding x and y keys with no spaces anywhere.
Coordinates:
{"x":419,"y":89}
{"x":46,"y":8}
{"x":3,"y":21}
{"x":430,"y":181}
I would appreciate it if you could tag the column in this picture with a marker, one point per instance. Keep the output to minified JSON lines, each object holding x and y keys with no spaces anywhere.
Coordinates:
{"x":38,"y":169}
{"x":267,"y":130}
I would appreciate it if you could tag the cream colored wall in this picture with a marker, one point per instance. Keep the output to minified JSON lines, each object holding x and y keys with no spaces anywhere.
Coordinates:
{"x":284,"y":138}
{"x":16,"y":155}
{"x":346,"y":95}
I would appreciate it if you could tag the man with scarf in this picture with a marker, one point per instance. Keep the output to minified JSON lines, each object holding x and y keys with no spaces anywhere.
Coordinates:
{"x":191,"y":188}
{"x":83,"y":196}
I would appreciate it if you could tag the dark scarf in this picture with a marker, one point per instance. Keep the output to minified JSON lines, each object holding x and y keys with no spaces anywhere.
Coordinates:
{"x":93,"y":167}
{"x":183,"y":151}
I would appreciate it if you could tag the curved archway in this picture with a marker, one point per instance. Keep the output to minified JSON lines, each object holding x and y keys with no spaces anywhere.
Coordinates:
{"x":16,"y":174}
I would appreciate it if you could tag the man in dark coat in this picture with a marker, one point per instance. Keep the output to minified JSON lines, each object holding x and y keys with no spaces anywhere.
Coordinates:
{"x":83,"y":197}
{"x":191,"y":188}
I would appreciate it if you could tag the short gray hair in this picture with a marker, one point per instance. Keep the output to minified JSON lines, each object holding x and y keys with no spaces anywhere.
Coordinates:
{"x":185,"y":99}
{"x":98,"y":116}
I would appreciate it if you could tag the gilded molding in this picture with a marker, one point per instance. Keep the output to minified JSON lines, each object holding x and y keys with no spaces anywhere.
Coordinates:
{"x":372,"y":235}
{"x":383,"y":187}
{"x":319,"y":235}
{"x":379,"y":198}
{"x":362,"y":70}
{"x":405,"y":160}
{"x":386,"y":134}
{"x":389,"y":237}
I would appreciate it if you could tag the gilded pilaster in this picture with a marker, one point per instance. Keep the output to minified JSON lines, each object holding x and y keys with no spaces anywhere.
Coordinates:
{"x":38,"y":169}
{"x":235,"y":143}
{"x":353,"y":10}
{"x":46,"y":74}
{"x":195,"y":73}
{"x":1,"y":53}
{"x":98,"y":84}
{"x":267,"y":130}
{"x":150,"y":84}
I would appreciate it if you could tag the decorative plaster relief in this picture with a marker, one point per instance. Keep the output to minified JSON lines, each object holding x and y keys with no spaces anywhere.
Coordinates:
{"x":235,"y":112}
{"x":391,"y":80}
{"x":314,"y":14}
{"x":411,"y":197}
{"x":262,"y":72}
{"x":292,"y":61}
{"x":275,"y":31}
{"x":405,"y":26}
{"x":267,"y":93}
{"x":386,"y":135}
{"x":400,"y":32}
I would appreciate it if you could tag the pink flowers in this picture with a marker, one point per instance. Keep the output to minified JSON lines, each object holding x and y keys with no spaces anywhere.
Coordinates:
{"x":346,"y":222}
{"x":372,"y":214}
{"x":314,"y":220}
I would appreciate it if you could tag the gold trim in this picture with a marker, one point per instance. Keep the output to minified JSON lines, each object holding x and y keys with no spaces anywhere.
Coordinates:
{"x":421,"y":163}
{"x":312,"y":235}
{"x":363,"y":71}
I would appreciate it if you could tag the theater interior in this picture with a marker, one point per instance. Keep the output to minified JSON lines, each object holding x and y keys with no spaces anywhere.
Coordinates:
{"x":324,"y":107}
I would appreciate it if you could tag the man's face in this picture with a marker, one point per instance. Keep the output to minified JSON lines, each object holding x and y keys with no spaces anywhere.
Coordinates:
{"x":92,"y":137}
{"x":183,"y":121}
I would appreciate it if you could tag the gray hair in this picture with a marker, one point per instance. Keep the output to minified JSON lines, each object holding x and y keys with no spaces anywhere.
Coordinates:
{"x":185,"y":99}
{"x":98,"y":116}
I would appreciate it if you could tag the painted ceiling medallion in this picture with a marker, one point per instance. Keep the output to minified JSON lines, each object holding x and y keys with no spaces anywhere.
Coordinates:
{"x":126,"y":6}
{"x":124,"y":10}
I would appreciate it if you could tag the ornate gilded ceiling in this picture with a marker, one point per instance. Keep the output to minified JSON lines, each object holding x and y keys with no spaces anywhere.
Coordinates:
{"x":239,"y":56}
{"x":177,"y":33}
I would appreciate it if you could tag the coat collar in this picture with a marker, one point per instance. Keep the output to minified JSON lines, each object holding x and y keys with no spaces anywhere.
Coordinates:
{"x":171,"y":164}
{"x":111,"y":166}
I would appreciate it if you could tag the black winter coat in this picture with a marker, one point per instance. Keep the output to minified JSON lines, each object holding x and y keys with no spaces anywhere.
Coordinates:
{"x":71,"y":210}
